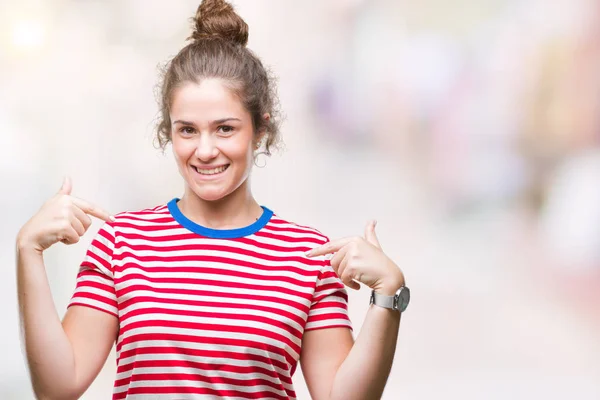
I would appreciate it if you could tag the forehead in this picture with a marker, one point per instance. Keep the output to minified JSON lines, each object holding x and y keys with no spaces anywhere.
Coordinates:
{"x":209,"y":100}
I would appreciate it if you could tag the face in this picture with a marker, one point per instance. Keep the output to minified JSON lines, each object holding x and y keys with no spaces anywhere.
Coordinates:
{"x":213,"y":139}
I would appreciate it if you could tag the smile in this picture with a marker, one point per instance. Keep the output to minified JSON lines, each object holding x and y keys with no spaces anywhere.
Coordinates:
{"x":211,"y":171}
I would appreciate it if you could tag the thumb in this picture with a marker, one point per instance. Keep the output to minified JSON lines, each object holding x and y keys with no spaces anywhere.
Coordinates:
{"x":66,"y":186}
{"x":370,"y":234}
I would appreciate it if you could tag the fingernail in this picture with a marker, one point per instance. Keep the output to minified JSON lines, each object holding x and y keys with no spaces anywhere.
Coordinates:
{"x":112,"y":218}
{"x":308,"y":253}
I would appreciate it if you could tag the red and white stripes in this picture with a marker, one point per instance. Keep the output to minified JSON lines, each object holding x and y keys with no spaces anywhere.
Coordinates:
{"x":202,"y":316}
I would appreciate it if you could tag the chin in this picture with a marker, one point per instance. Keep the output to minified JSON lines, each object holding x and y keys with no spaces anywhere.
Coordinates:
{"x":210,"y":195}
{"x":212,"y":191}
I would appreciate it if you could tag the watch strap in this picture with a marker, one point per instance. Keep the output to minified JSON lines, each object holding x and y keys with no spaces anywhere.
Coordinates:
{"x":399,"y":301}
{"x":381,"y":300}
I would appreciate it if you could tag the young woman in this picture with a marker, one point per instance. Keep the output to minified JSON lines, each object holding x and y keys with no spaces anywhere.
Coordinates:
{"x":211,"y":295}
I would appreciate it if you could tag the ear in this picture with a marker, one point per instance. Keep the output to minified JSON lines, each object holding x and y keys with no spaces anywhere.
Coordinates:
{"x":258,"y":139}
{"x":261,"y":132}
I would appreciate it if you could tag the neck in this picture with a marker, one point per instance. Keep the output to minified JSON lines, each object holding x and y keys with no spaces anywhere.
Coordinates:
{"x":236,"y":210}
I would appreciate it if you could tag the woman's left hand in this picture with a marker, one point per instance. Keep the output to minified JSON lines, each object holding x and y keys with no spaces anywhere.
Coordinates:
{"x":359,"y":259}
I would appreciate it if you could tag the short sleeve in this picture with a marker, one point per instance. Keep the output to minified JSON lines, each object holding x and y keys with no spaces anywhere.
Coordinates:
{"x":329,"y":307}
{"x":95,"y":286}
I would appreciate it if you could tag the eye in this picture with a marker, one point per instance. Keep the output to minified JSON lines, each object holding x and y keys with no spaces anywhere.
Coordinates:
{"x":225,"y":129}
{"x":187,"y":130}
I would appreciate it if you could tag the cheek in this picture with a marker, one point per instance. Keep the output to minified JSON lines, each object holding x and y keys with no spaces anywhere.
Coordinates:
{"x":239,"y":151}
{"x":181,"y":150}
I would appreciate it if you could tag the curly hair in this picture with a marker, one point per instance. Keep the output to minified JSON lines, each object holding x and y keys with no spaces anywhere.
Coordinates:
{"x":218,"y":50}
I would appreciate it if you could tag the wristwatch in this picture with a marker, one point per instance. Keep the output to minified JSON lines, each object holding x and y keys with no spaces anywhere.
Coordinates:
{"x":398,"y":301}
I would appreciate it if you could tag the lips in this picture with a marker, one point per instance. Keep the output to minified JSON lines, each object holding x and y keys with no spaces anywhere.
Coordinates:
{"x":210,"y":171}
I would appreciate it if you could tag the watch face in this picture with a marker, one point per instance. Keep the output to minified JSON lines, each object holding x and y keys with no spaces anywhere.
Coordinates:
{"x":404,"y":299}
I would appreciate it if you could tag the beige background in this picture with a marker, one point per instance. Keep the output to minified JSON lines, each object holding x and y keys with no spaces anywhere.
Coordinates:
{"x":469,"y":129}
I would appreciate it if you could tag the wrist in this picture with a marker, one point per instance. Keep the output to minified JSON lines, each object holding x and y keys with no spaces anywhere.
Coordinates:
{"x":391,"y":286}
{"x":25,"y":247}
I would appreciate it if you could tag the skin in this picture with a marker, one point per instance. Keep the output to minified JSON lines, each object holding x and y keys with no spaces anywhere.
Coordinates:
{"x":221,"y":134}
{"x":63,"y":357}
{"x":210,"y":129}
{"x":333,"y":366}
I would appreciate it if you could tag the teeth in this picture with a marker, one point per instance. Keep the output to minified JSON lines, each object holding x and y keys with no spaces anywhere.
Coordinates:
{"x":211,"y":171}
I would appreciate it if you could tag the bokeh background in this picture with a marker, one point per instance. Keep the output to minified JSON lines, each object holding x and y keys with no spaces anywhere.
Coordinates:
{"x":470,"y":129}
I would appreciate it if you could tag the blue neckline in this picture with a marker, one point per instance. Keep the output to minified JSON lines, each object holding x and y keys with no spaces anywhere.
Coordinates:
{"x":218,"y":233}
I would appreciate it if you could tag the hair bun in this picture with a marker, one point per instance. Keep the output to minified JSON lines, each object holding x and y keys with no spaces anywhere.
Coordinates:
{"x":218,"y":19}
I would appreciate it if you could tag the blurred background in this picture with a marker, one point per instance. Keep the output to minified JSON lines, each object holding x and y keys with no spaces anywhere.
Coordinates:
{"x":469,"y":129}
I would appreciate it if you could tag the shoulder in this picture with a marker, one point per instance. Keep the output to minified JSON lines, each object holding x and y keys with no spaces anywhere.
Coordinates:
{"x":139,"y":218}
{"x":145,"y":214}
{"x":287,"y":227}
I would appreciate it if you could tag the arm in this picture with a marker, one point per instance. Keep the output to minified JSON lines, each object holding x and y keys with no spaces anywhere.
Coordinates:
{"x":334,"y":367}
{"x":346,"y":370}
{"x":323,"y":352}
{"x":63,"y":358}
{"x":365,"y":371}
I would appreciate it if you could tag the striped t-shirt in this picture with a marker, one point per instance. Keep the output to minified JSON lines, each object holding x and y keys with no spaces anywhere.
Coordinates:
{"x":207,"y":313}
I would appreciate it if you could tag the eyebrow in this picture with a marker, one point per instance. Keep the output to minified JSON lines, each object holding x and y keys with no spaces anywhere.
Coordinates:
{"x":215,"y":122}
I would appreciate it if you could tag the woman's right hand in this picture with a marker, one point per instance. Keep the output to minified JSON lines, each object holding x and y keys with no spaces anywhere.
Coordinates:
{"x":62,"y":218}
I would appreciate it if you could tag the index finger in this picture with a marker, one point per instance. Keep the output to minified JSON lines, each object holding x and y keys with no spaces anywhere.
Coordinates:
{"x":91,"y":209}
{"x":329,"y":247}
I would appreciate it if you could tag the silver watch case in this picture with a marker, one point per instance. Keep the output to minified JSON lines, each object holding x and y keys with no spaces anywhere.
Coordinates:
{"x":399,"y":301}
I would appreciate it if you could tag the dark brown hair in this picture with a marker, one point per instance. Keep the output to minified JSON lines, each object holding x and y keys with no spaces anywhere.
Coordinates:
{"x":218,"y":50}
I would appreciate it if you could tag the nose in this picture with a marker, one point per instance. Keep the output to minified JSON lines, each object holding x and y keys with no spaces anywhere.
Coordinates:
{"x":206,"y":149}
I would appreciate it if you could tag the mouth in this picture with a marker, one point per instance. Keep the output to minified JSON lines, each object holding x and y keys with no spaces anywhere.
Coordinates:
{"x":210,"y":172}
